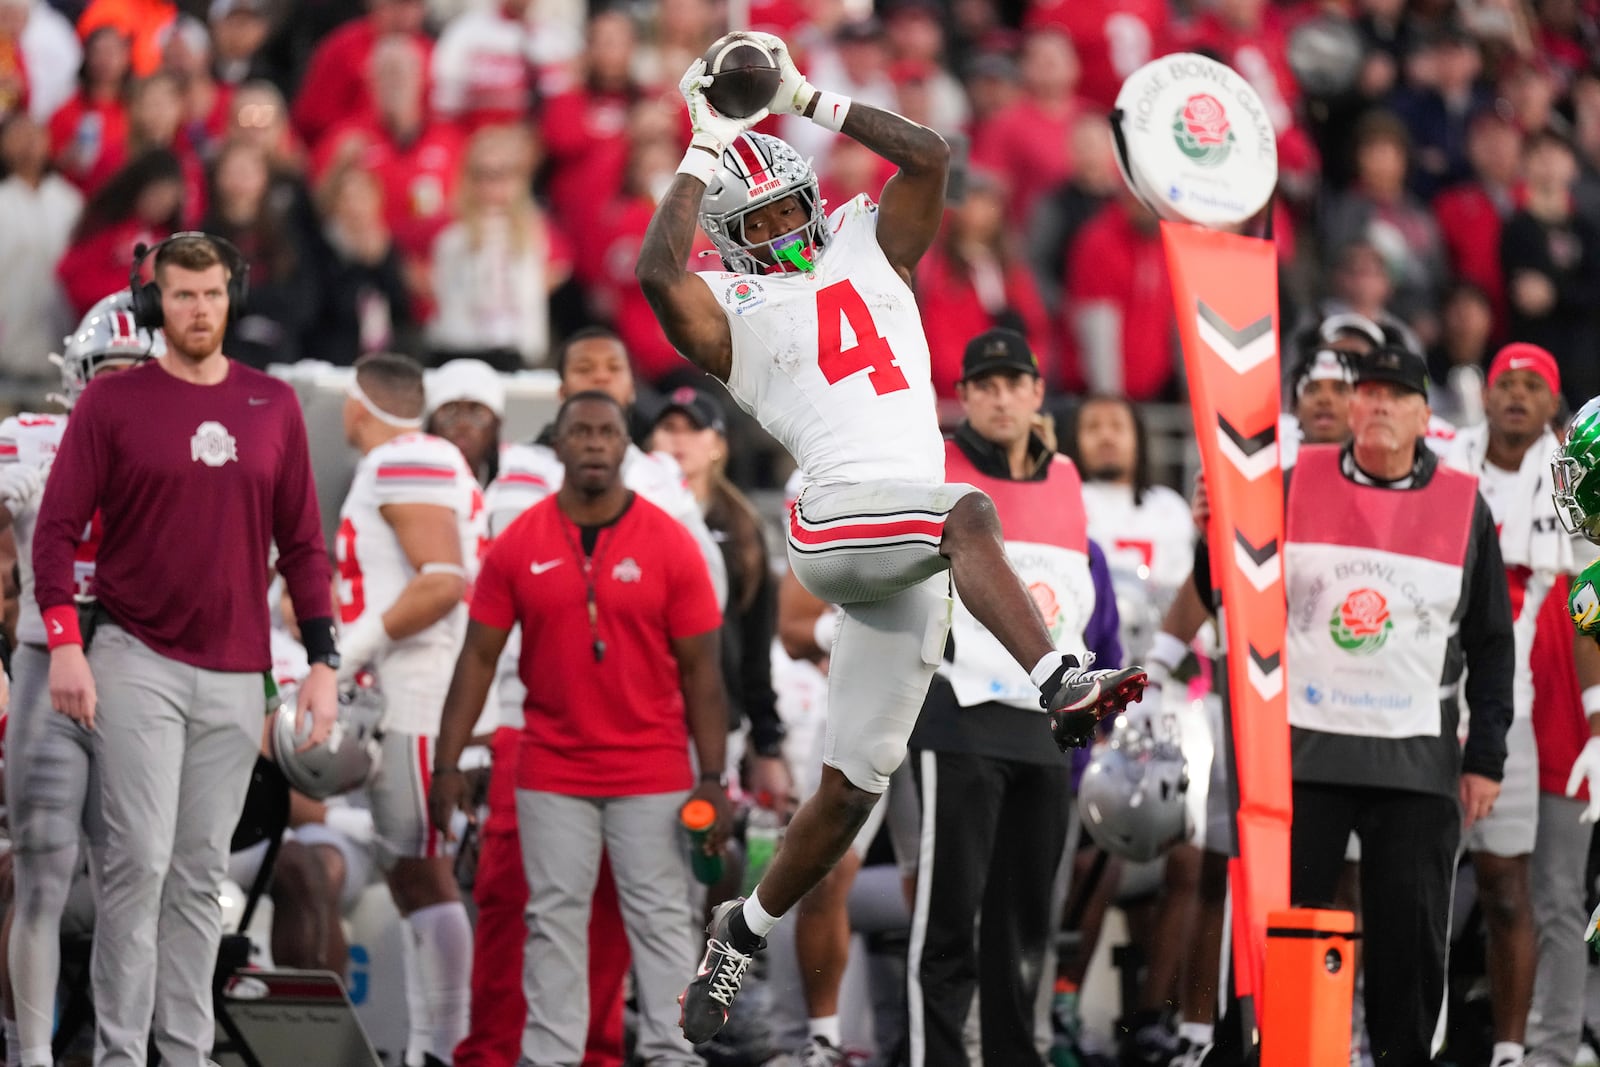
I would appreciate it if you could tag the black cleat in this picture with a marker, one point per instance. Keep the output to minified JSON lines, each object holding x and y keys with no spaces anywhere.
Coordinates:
{"x":1077,"y":698}
{"x":710,"y":994}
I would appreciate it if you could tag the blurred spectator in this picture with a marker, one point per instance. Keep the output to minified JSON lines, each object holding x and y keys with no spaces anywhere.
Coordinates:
{"x":1379,"y":210}
{"x":974,"y":280}
{"x":88,"y":132}
{"x":155,"y":118}
{"x":683,"y":30}
{"x":1530,"y":90}
{"x":238,"y":30}
{"x":1551,"y":261}
{"x":51,"y":54}
{"x":13,"y":65}
{"x":1029,"y":143}
{"x":363,"y":305}
{"x":257,"y":113}
{"x":1470,"y":214}
{"x":203,"y":101}
{"x":483,"y":66}
{"x":337,"y":86}
{"x":1565,"y":36}
{"x":917,"y":37}
{"x":1064,"y":211}
{"x":856,"y":60}
{"x":584,"y":126}
{"x":1586,"y":142}
{"x":993,"y":84}
{"x":1437,"y":116}
{"x":1457,"y":363}
{"x":38,"y":210}
{"x":417,"y":160}
{"x":268,"y":327}
{"x":851,"y":168}
{"x":143,"y":23}
{"x":1117,"y":325}
{"x":142,"y":203}
{"x":1113,"y":38}
{"x":495,"y":266}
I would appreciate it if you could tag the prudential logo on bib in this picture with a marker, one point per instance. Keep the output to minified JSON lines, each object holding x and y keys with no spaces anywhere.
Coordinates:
{"x":1361,"y":625}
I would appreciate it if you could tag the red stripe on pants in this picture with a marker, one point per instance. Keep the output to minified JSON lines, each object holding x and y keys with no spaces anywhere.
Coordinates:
{"x":501,"y":893}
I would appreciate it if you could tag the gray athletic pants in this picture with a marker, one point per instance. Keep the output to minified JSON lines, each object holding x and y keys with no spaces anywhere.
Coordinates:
{"x":175,"y":745}
{"x":562,"y":837}
{"x":1560,"y":855}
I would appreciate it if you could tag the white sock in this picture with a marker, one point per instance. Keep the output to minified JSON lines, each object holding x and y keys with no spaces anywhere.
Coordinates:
{"x":438,"y":979}
{"x":827,"y":1028}
{"x":1046,"y":667}
{"x":1506,"y":1054}
{"x":1195,"y":1033}
{"x":757,"y":918}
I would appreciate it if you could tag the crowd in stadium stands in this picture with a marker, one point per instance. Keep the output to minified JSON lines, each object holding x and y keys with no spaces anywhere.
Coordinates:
{"x":466,"y":180}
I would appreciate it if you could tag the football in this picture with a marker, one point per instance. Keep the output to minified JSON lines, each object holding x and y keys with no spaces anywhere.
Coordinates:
{"x":743,"y":74}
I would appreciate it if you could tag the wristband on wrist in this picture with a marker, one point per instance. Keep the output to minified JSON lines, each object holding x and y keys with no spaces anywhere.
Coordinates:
{"x":61,"y":626}
{"x":1591,"y":700}
{"x":720,"y":777}
{"x":831,"y":110}
{"x":700,"y":163}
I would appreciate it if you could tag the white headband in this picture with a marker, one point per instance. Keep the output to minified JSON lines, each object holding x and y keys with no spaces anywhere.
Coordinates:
{"x":353,"y":391}
{"x":1327,"y":365}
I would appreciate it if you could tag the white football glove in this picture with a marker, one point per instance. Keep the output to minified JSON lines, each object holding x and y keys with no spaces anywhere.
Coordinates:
{"x":794,"y":92}
{"x":712,"y":131}
{"x":20,"y":486}
{"x":1587,"y":767}
{"x":360,"y":645}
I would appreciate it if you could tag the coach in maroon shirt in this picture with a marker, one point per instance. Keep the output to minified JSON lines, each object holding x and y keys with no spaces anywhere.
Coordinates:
{"x":197,"y":465}
{"x":621,"y":662}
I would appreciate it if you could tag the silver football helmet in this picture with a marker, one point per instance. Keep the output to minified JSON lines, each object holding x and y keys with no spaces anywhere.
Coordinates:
{"x":351,"y":755}
{"x":1132,"y":797}
{"x":106,"y":336}
{"x":754,"y":171}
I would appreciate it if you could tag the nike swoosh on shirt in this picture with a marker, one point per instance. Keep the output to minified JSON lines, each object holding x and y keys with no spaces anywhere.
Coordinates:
{"x":256,"y":401}
{"x":540,"y":568}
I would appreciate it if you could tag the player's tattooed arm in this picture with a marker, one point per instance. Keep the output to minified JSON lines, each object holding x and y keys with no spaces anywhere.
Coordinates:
{"x":912,"y":204}
{"x":684,"y":305}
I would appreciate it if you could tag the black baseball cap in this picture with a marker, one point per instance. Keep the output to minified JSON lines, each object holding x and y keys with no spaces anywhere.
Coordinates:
{"x":998,"y":350}
{"x":1395,"y":364}
{"x":700,"y":407}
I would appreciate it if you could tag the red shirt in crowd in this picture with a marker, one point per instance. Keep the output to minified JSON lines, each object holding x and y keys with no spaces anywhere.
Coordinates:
{"x":1113,"y":38}
{"x":1116,"y":262}
{"x":98,"y":265}
{"x":616,"y":293}
{"x":585,"y":137}
{"x":88,"y":141}
{"x":617,"y":727}
{"x":954,"y":310}
{"x":225,"y":464}
{"x":1031,"y":148}
{"x":335,"y":87}
{"x":1469,"y":226}
{"x":1560,"y":728}
{"x":418,"y":177}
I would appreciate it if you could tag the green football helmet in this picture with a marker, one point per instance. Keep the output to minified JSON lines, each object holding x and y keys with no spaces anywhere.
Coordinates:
{"x":1575,"y":467}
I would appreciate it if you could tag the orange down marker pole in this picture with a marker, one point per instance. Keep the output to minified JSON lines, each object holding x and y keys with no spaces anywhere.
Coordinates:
{"x":1311,"y":972}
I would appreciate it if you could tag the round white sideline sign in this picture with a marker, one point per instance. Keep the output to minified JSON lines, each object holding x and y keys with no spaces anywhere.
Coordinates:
{"x":1196,"y":145}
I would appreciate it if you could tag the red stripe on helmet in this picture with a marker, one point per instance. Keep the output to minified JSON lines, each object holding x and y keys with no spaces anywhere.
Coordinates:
{"x":752,"y":159}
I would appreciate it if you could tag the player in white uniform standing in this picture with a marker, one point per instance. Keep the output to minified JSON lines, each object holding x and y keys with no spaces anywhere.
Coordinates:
{"x":815,"y":330}
{"x":407,"y":550}
{"x":50,"y":758}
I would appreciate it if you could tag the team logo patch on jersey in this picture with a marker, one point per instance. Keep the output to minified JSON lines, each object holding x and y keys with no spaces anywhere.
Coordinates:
{"x":627,"y":571}
{"x":1361,"y":625}
{"x":1584,"y":605}
{"x":213,"y":445}
{"x":1049,"y":607}
{"x":1202,"y":130}
{"x":744,"y":295}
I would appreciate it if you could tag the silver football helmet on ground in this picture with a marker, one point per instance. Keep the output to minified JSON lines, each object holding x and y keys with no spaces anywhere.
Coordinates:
{"x":752,"y":172}
{"x":106,"y":336}
{"x":1133,"y":795}
{"x":350,"y":756}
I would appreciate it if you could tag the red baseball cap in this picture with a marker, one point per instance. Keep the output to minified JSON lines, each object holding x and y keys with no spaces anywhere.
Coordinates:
{"x":1522,"y":356}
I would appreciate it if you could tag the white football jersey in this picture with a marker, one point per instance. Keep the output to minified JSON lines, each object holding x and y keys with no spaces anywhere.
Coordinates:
{"x":834,"y":362}
{"x":32,"y":439}
{"x":414,"y":468}
{"x":1153,"y":538}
